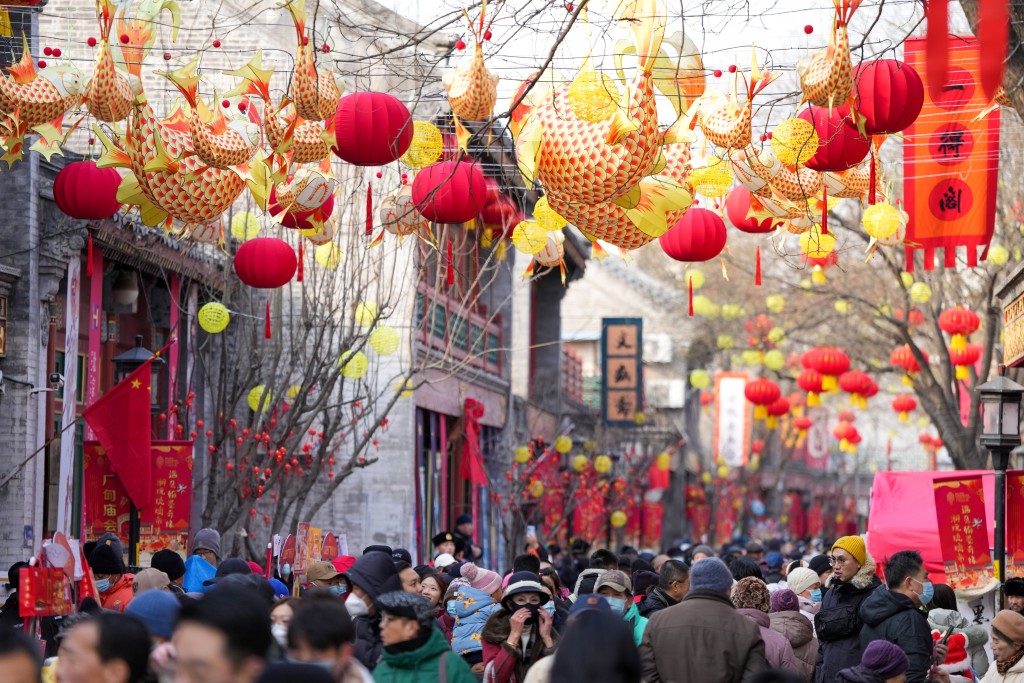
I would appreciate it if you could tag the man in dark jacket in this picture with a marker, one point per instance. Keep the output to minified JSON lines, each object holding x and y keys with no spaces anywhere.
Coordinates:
{"x":895,"y":613}
{"x":673,"y":585}
{"x":837,"y":623}
{"x":371,"y":576}
{"x":703,"y":638}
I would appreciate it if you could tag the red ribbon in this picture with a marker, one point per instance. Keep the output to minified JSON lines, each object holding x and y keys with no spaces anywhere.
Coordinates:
{"x":757,"y":267}
{"x":266,"y":329}
{"x":369,"y":209}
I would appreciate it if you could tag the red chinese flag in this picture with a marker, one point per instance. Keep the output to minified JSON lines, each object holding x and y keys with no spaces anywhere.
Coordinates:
{"x":121,"y":421}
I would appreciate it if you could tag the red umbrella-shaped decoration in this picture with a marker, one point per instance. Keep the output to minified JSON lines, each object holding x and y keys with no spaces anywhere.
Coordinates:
{"x":372,"y":129}
{"x":831,"y":362}
{"x":776,"y":409}
{"x":902,"y":357}
{"x":265,"y":263}
{"x":857,"y":384}
{"x":904,"y":404}
{"x":811,"y":381}
{"x":762,"y":393}
{"x":964,"y":359}
{"x":959,"y":322}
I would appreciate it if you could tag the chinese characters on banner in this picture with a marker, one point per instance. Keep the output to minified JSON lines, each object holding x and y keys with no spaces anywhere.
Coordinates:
{"x":1015,"y":523}
{"x":951,"y":161}
{"x":622,"y":385}
{"x":963,"y":532}
{"x":732,"y":419}
{"x":43,"y":592}
{"x":165,"y":522}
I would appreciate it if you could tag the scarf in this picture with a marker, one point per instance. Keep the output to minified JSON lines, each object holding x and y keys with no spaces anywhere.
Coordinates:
{"x":1005,"y":665}
{"x":409,"y":645}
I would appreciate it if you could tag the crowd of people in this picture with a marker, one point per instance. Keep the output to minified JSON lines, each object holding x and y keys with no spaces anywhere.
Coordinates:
{"x":771,"y":613}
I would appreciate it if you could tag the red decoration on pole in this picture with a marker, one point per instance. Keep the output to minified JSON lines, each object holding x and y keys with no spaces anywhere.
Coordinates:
{"x":811,"y":381}
{"x":88,"y":255}
{"x":699,"y":235}
{"x":904,"y":404}
{"x":824,"y":209}
{"x":690,"y":283}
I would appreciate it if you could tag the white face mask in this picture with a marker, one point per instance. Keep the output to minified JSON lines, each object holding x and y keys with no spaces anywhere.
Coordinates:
{"x":280,"y":633}
{"x":355,"y":606}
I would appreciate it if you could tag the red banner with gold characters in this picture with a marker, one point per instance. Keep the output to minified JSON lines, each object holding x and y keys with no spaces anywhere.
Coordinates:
{"x":162,"y":524}
{"x":963,"y":532}
{"x":44,"y":592}
{"x":1015,"y":523}
{"x":951,"y":161}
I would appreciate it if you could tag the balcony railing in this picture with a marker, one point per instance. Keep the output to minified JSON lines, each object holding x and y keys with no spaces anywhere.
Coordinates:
{"x":445,"y":325}
{"x":572,"y":375}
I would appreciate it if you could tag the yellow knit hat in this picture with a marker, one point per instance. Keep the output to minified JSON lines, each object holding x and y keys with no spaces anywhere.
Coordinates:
{"x":853,"y":545}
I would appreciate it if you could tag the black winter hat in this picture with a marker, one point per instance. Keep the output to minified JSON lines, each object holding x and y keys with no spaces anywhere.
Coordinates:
{"x":105,"y":561}
{"x":819,"y":564}
{"x":523,"y":582}
{"x":377,"y":549}
{"x":375,"y":574}
{"x":169,"y":562}
{"x":408,"y":605}
{"x":1014,"y":586}
{"x":232,"y":565}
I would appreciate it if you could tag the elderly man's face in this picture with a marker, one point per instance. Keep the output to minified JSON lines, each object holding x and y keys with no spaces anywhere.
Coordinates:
{"x":1015,"y":602}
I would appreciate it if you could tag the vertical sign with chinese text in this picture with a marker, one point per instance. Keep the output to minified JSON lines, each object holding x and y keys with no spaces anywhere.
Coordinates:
{"x":65,"y":486}
{"x":951,"y":161}
{"x":1015,"y":523}
{"x":622,"y":386}
{"x":732,"y":419}
{"x":963,"y":532}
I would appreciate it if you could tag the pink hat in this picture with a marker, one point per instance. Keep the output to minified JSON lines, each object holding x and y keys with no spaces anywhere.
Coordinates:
{"x":480,"y":578}
{"x":256,"y":569}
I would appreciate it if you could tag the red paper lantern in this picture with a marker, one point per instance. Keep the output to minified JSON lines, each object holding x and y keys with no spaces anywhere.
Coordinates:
{"x":802,"y":423}
{"x":847,"y":416}
{"x":84,"y":190}
{"x":904,"y":404}
{"x":450,"y":191}
{"x":777,"y":409}
{"x":372,"y":129}
{"x":831,"y":363}
{"x":840,"y":145}
{"x":698,"y":236}
{"x":812,"y":382}
{"x":300,"y":220}
{"x":500,"y":212}
{"x":889,"y":95}
{"x":857,"y":384}
{"x":902,"y":357}
{"x":737,"y":208}
{"x":761,"y":392}
{"x":959,"y":322}
{"x":265,"y":263}
{"x":963,"y":359}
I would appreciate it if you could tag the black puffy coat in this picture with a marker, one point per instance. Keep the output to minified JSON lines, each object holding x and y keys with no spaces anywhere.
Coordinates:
{"x":838,"y":624}
{"x":655,"y":601}
{"x":375,"y":574}
{"x":894,"y":617}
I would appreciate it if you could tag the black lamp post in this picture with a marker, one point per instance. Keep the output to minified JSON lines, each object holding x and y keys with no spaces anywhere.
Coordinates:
{"x":124,"y":365}
{"x":1000,"y":434}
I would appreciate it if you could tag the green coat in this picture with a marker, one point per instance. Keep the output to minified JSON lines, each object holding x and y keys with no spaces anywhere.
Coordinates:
{"x":638,"y":622}
{"x":421,"y":665}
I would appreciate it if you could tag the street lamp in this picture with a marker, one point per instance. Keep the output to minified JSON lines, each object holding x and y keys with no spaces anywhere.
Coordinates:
{"x":1000,"y":434}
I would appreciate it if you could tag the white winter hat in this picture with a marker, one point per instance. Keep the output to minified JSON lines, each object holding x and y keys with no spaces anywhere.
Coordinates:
{"x":800,"y":579}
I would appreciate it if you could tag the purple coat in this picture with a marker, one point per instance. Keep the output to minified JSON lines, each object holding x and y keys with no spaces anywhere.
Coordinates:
{"x":777,"y":649}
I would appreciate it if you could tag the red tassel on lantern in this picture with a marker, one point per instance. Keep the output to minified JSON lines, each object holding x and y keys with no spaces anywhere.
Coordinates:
{"x":824,"y":209}
{"x":88,"y":255}
{"x":451,"y":266}
{"x":872,"y":179}
{"x":690,"y":282}
{"x":369,"y":209}
{"x":301,"y":260}
{"x":757,"y":267}
{"x":266,"y":329}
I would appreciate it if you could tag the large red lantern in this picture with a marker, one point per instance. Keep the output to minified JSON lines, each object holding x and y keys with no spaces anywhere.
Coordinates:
{"x":902,"y":357}
{"x":84,"y":190}
{"x":737,"y":208}
{"x":889,"y":95}
{"x":831,"y":363}
{"x":450,"y":191}
{"x":840,"y":145}
{"x":698,"y":236}
{"x":857,"y":384}
{"x":500,"y":212}
{"x":960,"y":322}
{"x":904,"y":404}
{"x":776,"y":409}
{"x":762,"y":392}
{"x":811,"y":381}
{"x":964,"y":359}
{"x":265,"y":263}
{"x":372,"y":129}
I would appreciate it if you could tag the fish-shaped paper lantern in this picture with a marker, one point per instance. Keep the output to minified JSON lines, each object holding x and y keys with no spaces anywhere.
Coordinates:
{"x":472,"y":89}
{"x":314,"y":91}
{"x":827,"y":80}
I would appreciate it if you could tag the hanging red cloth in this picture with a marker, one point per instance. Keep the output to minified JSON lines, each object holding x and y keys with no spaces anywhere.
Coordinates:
{"x":472,"y":456}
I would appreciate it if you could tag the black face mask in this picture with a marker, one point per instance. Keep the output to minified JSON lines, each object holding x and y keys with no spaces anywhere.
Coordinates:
{"x":534,"y":613}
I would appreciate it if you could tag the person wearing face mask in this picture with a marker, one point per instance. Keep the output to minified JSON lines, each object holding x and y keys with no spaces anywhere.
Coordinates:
{"x":520,"y":633}
{"x":1008,"y":648}
{"x":414,"y":650}
{"x":280,"y":617}
{"x":837,"y":623}
{"x":805,"y":584}
{"x":324,"y":575}
{"x":895,"y":613}
{"x":320,"y":632}
{"x":371,"y":576}
{"x":616,"y":588}
{"x":472,"y":606}
{"x":113,"y":582}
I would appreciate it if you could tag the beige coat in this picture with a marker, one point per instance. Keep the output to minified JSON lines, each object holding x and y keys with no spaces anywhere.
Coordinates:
{"x":1014,"y":675}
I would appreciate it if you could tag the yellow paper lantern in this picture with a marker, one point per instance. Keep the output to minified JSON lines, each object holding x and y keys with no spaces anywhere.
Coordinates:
{"x":842,"y":306}
{"x":775,"y":303}
{"x":920,"y":293}
{"x":619,"y":519}
{"x":293,"y":392}
{"x":329,"y":255}
{"x":723,"y":471}
{"x":593,"y":96}
{"x":405,"y":389}
{"x":536,"y":489}
{"x":694,"y":278}
{"x":366,"y":313}
{"x":751,"y":357}
{"x":794,"y":141}
{"x":664,"y":461}
{"x":712,"y":180}
{"x":214,"y":317}
{"x":602,"y":464}
{"x":706,"y":478}
{"x":529,"y":237}
{"x":881,"y":220}
{"x":256,"y":398}
{"x":244,"y":226}
{"x":546,"y":217}
{"x":998,"y":255}
{"x":700,"y":379}
{"x":427,"y":145}
{"x":776,"y":335}
{"x":704,"y":307}
{"x":817,"y":245}
{"x":725,"y":342}
{"x":563,"y":444}
{"x":384,"y":340}
{"x":580,"y":462}
{"x":732,"y":311}
{"x":774,"y":360}
{"x":907,"y":279}
{"x":639,"y":418}
{"x":353,"y":364}
{"x":522,"y":455}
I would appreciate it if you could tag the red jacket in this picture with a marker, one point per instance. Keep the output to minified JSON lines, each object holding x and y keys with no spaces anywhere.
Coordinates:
{"x":119,"y":595}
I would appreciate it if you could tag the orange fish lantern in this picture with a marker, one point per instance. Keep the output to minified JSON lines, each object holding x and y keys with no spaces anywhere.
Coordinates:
{"x":305,"y":201}
{"x":827,"y":80}
{"x":725,"y":122}
{"x":472,"y":89}
{"x":314,"y":92}
{"x":36,"y":101}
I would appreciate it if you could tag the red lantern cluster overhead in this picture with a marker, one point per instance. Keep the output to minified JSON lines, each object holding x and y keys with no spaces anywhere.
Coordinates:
{"x":762,"y":393}
{"x":840,"y":145}
{"x":85,"y":191}
{"x":372,"y":129}
{"x":450,"y":191}
{"x":698,"y":236}
{"x":959,"y":322}
{"x":830,"y":362}
{"x":902,"y":357}
{"x":848,"y":437}
{"x":776,"y":409}
{"x":859,"y":386}
{"x":737,"y":208}
{"x":964,"y":359}
{"x":904,"y":404}
{"x":811,"y":381}
{"x":889,"y":95}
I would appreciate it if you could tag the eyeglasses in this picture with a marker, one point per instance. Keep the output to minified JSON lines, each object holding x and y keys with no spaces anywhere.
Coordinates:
{"x":836,"y":561}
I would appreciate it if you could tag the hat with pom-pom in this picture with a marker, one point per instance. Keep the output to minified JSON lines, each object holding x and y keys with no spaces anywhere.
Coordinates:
{"x":480,"y":578}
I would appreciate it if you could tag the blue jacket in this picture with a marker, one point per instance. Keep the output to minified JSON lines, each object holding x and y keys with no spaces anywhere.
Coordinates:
{"x":471,"y":608}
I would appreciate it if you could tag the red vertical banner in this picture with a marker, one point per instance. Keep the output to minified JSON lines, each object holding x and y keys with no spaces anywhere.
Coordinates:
{"x":652,"y":519}
{"x":164,"y":524}
{"x":172,"y":356}
{"x":105,"y":504}
{"x":96,"y":319}
{"x":1015,"y":523}
{"x":951,"y":160}
{"x":963,"y":532}
{"x":44,"y":592}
